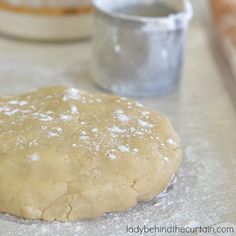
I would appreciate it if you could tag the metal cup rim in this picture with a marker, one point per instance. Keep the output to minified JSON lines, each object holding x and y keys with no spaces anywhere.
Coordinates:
{"x":172,"y":21}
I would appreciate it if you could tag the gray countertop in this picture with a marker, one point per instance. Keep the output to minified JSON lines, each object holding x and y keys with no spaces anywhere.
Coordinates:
{"x":203,"y":110}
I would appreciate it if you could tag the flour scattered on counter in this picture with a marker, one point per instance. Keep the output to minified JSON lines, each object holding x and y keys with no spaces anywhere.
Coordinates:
{"x":193,"y":224}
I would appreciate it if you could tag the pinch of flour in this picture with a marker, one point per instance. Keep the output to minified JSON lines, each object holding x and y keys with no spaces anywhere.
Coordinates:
{"x":132,"y":129}
{"x":166,"y":158}
{"x":52,"y":134}
{"x":23,"y":103}
{"x":74,"y":110}
{"x":135,"y":150}
{"x":58,"y":129}
{"x":139,"y":133}
{"x":83,"y":133}
{"x":12,"y":112}
{"x":146,"y":114}
{"x":72,"y":94}
{"x":115,"y":129}
{"x":171,"y":141}
{"x":83,"y":137}
{"x":94,"y":130}
{"x":55,"y":131}
{"x":34,"y":157}
{"x":111,"y":156}
{"x":145,"y":124}
{"x":124,"y":148}
{"x":45,"y":118}
{"x":33,"y":143}
{"x":20,"y":103}
{"x":13,"y":102}
{"x":4,"y":108}
{"x":129,"y":105}
{"x":97,"y":148}
{"x":66,"y":117}
{"x":42,"y":116}
{"x":119,"y":114}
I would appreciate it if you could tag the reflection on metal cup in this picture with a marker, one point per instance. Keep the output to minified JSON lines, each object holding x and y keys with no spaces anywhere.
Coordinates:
{"x":139,"y":45}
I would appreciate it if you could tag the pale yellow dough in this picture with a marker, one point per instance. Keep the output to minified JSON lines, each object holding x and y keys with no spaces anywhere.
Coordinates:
{"x":67,"y":154}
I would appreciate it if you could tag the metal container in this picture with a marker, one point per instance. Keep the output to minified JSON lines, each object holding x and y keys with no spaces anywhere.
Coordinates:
{"x":139,"y":45}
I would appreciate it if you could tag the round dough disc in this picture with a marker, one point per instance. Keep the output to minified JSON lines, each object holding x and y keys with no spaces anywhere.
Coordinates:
{"x":67,"y":154}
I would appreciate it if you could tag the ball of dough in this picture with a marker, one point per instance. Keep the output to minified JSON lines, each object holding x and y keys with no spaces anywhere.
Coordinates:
{"x":67,"y":154}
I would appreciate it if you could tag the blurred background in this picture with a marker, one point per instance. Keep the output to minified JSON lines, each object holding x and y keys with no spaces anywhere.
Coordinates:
{"x":44,"y":42}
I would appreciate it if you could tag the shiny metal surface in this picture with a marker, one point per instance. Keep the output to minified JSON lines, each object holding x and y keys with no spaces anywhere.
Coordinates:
{"x":203,"y":110}
{"x":139,"y":55}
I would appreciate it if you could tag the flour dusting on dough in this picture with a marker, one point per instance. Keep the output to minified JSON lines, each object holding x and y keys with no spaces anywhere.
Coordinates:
{"x":34,"y":157}
{"x":72,"y":94}
{"x":94,"y":147}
